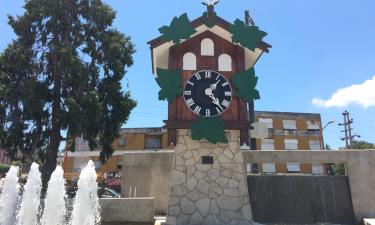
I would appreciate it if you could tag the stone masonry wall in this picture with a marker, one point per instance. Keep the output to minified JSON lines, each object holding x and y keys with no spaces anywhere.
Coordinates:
{"x":208,"y":194}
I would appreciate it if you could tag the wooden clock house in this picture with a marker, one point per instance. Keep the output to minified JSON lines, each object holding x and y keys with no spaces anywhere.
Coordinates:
{"x":211,"y":49}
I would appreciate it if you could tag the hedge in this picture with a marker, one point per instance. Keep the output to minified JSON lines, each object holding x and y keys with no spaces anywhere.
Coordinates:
{"x":4,"y":168}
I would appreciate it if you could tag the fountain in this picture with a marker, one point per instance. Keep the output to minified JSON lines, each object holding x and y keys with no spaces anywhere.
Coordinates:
{"x":86,"y":202}
{"x":29,"y":209}
{"x":85,"y":208}
{"x":9,"y":197}
{"x":54,"y":204}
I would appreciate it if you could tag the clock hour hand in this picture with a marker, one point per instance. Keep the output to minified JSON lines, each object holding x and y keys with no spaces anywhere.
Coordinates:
{"x":213,"y":86}
{"x":208,"y":92}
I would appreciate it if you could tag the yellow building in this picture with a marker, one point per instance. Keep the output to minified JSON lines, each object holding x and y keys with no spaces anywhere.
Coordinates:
{"x":130,"y":139}
{"x":290,"y":131}
{"x":287,"y":131}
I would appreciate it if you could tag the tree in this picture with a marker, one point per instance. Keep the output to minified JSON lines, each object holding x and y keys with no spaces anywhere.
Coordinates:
{"x":63,"y":73}
{"x":362,"y":145}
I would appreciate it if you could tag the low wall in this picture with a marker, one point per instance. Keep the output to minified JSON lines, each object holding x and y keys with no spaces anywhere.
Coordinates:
{"x":127,"y":210}
{"x":148,"y":172}
{"x":359,"y":165}
{"x":300,"y":199}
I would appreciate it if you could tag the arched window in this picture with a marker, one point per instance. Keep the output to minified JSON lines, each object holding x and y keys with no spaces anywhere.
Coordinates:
{"x":189,"y":61}
{"x":225,"y":62}
{"x":207,"y":47}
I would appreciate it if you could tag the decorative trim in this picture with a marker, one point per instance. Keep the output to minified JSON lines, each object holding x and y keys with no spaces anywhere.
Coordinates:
{"x":247,"y":36}
{"x":211,"y":129}
{"x":169,"y":83}
{"x":245,"y":83}
{"x":179,"y":29}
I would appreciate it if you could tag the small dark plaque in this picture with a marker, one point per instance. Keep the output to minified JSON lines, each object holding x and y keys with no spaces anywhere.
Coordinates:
{"x":207,"y":159}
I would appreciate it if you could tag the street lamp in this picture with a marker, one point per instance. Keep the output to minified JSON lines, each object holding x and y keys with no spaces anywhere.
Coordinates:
{"x":329,"y":122}
{"x":321,"y":133}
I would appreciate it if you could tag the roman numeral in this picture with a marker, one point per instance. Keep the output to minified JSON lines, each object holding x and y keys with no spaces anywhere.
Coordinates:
{"x":208,"y":112}
{"x":187,"y":92}
{"x":207,"y":74}
{"x":189,"y":82}
{"x":190,"y":102}
{"x":228,"y":93}
{"x":225,"y":84}
{"x":198,"y":76}
{"x":197,"y":109}
{"x":225,"y":103}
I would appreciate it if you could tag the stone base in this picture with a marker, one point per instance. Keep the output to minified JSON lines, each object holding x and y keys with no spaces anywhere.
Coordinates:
{"x":208,"y":193}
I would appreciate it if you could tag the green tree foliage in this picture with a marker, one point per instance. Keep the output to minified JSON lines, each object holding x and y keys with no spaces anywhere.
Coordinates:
{"x":211,"y":129}
{"x":247,"y":36}
{"x":245,"y":83}
{"x":63,"y":73}
{"x":362,"y":145}
{"x":180,"y":28}
{"x":4,"y":169}
{"x":169,"y":83}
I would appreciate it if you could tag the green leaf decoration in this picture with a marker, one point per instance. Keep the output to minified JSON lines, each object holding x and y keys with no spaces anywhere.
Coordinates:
{"x":180,"y":28}
{"x":211,"y":129}
{"x":247,"y":36}
{"x":209,"y":22}
{"x":245,"y":83}
{"x":169,"y":83}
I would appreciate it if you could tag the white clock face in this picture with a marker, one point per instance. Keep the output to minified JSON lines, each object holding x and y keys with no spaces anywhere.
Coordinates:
{"x":207,"y":93}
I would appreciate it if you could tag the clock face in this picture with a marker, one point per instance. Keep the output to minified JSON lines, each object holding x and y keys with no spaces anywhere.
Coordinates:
{"x":207,"y":93}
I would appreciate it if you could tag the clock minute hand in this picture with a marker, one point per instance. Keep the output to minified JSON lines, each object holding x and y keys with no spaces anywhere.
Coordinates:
{"x":213,"y":86}
{"x":208,"y":92}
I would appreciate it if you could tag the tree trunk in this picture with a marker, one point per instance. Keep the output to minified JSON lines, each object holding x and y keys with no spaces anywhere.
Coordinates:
{"x":55,"y":138}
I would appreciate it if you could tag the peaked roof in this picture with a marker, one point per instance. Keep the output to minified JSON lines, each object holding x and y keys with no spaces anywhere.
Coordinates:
{"x":200,"y":21}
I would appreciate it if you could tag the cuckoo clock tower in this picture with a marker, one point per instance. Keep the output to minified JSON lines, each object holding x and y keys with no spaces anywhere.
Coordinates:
{"x":205,"y":71}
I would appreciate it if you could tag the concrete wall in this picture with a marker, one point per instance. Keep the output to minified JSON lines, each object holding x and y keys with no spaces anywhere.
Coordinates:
{"x":359,"y":164}
{"x":149,"y":172}
{"x":300,"y":199}
{"x":127,"y":210}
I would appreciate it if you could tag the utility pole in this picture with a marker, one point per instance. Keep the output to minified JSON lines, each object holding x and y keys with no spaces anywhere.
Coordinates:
{"x":250,"y":106}
{"x":348,"y":130}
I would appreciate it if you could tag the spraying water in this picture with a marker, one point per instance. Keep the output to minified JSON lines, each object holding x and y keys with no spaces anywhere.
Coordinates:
{"x":28,"y":214}
{"x":9,"y":197}
{"x":54,"y":205}
{"x":86,"y":204}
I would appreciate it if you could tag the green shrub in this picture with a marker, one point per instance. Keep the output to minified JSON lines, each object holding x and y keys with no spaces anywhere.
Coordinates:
{"x":4,"y":168}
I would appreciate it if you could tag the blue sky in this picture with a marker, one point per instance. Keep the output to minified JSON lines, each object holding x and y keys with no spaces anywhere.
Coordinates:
{"x":319,"y":47}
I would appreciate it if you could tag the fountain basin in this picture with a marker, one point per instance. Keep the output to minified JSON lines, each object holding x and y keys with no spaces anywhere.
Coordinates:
{"x":127,"y":210}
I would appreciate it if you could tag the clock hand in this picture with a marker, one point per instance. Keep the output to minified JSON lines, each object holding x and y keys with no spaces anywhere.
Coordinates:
{"x":213,"y":86}
{"x":208,"y":92}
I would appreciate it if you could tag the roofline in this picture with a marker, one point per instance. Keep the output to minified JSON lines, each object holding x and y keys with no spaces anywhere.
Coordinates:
{"x":287,"y":114}
{"x":200,"y":21}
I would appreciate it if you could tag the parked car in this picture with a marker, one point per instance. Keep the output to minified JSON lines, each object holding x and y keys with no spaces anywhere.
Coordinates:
{"x":108,"y":193}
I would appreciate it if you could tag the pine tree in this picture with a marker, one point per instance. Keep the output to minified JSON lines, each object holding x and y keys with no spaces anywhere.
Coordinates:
{"x":63,"y":73}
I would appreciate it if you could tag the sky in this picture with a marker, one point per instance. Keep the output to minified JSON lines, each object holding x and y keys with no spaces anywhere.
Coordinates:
{"x":322,"y":58}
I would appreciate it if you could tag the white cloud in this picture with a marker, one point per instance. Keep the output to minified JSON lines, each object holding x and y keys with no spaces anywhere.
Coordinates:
{"x":357,"y":94}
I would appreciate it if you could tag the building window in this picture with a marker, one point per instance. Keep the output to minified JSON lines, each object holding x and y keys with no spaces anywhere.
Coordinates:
{"x":290,"y":127}
{"x":267,"y":144}
{"x":268,"y":122}
{"x":269,"y":168}
{"x":207,"y":47}
{"x":293,"y":167}
{"x":315,"y":145}
{"x":317,"y":168}
{"x":225,"y":62}
{"x":189,"y":61}
{"x":313,"y":125}
{"x":122,"y":142}
{"x":313,"y":128}
{"x":291,"y":144}
{"x":152,"y":142}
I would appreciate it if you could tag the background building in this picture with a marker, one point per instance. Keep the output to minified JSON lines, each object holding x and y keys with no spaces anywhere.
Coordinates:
{"x":287,"y":131}
{"x":290,"y":131}
{"x":4,"y":158}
